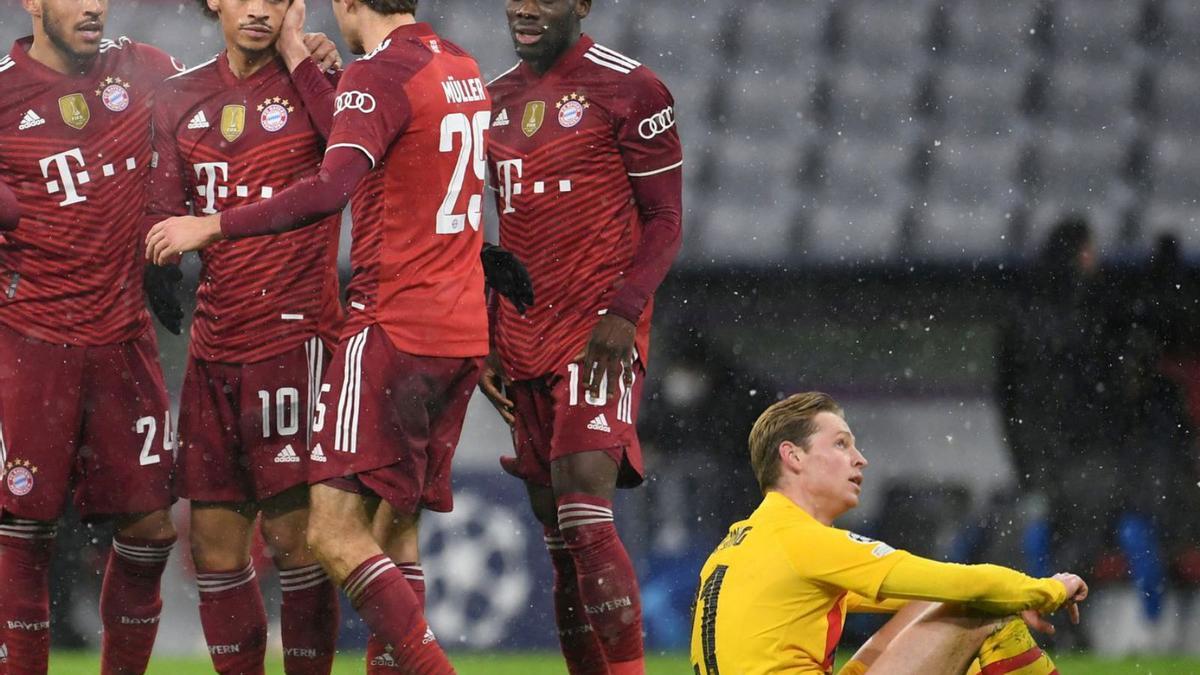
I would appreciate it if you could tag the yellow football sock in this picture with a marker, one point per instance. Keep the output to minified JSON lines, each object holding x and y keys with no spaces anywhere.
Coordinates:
{"x":853,"y":667}
{"x":1013,"y":651}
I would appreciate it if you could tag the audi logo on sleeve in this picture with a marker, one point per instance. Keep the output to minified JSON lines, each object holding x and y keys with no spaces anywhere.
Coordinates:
{"x":354,"y":100}
{"x":657,"y":123}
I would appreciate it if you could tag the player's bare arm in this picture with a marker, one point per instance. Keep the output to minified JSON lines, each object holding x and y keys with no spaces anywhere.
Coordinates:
{"x":492,"y":382}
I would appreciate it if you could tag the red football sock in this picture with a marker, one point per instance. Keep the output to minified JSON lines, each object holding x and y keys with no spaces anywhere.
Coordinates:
{"x":378,"y":661}
{"x":130,"y":603}
{"x":580,"y":647}
{"x":387,"y":603}
{"x":607,"y":581}
{"x":25,"y":550}
{"x":309,"y":620}
{"x":234,"y":620}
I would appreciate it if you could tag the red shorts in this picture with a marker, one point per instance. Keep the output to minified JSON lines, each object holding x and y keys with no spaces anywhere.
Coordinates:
{"x":395,"y":423}
{"x":90,"y":420}
{"x":244,"y":427}
{"x":557,"y":417}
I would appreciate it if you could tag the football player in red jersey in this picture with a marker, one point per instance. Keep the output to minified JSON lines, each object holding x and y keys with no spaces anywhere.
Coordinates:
{"x":586,"y":163}
{"x":409,"y":143}
{"x":85,"y":409}
{"x":233,"y":131}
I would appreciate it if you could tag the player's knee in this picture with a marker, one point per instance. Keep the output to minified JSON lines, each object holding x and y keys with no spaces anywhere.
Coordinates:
{"x":288,"y":541}
{"x":156,"y":526}
{"x":215,"y":552}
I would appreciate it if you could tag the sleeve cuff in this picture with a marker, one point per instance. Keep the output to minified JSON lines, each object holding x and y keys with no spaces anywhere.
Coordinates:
{"x":630,"y":310}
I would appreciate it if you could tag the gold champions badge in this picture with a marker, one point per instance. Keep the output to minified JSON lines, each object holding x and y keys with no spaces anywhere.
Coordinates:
{"x":74,"y":110}
{"x":233,"y":122}
{"x":531,"y":121}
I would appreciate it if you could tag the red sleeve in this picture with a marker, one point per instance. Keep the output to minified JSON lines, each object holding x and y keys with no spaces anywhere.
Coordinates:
{"x":302,"y":203}
{"x":318,"y":92}
{"x":371,"y":110}
{"x":167,"y":191}
{"x":653,"y":156}
{"x":10,"y":208}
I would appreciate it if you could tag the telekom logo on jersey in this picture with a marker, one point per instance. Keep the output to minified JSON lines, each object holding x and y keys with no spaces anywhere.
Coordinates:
{"x":511,"y":171}
{"x":207,"y":176}
{"x":70,"y":173}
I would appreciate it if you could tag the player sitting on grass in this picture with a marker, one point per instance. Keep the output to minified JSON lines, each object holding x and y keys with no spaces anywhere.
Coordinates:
{"x":774,"y":595}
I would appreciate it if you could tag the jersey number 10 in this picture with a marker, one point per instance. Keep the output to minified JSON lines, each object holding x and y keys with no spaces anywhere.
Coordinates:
{"x":473,"y":151}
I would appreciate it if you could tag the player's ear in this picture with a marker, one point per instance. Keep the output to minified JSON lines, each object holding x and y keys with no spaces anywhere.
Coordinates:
{"x":583,"y":8}
{"x":214,"y":5}
{"x":34,"y":7}
{"x":789,"y":455}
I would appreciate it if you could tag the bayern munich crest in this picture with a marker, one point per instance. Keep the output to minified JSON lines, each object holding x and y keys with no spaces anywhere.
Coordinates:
{"x":114,"y":94}
{"x":274,"y":113}
{"x":19,"y":477}
{"x":570,"y":110}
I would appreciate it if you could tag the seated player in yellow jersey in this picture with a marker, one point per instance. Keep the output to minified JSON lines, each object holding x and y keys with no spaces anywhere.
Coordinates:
{"x":775,"y":593}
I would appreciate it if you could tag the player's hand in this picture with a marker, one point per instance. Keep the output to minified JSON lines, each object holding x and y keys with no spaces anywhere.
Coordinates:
{"x":322,"y":50}
{"x":492,"y":383}
{"x":162,"y":292}
{"x":507,"y":275}
{"x":173,"y":236}
{"x":1077,"y":592}
{"x":609,"y":352}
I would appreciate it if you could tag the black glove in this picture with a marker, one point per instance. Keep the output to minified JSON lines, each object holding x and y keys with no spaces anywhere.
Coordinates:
{"x":507,"y":276}
{"x":162,"y":290}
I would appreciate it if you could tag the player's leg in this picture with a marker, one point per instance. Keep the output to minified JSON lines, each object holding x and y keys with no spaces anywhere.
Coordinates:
{"x":595,"y":446}
{"x":232,"y":613}
{"x":339,"y":533}
{"x":398,"y":536}
{"x":126,"y":475}
{"x":871,"y":650}
{"x":310,"y":613}
{"x":275,"y":400}
{"x":578,"y":641}
{"x":943,"y":639}
{"x":40,"y":415}
{"x":380,"y":418}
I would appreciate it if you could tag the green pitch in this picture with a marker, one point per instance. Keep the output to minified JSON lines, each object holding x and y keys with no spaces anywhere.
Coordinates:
{"x":503,"y":663}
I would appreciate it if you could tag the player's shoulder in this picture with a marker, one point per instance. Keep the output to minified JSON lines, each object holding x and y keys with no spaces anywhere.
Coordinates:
{"x":623,"y":76}
{"x":395,"y":61}
{"x":200,"y":72}
{"x":150,"y":58}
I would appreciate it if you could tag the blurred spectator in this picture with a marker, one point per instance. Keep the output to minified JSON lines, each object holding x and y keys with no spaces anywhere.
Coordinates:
{"x":1053,"y":392}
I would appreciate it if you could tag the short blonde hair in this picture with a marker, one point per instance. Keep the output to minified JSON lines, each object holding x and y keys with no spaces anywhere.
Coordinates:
{"x":792,"y":419}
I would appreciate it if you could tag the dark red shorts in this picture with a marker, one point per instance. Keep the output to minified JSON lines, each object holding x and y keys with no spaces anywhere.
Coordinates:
{"x":244,"y":427}
{"x":94,"y":421}
{"x":392,"y":423}
{"x":556,"y":417}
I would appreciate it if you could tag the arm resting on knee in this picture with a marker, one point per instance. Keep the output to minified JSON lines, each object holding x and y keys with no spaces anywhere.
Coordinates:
{"x":988,"y":588}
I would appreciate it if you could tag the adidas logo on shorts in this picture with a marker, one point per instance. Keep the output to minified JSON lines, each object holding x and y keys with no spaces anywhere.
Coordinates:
{"x":287,"y":456}
{"x":317,"y":454}
{"x":600,"y":423}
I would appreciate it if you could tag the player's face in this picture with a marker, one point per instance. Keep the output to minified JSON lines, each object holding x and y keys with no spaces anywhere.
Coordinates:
{"x":251,"y":26}
{"x":543,"y":29}
{"x":347,"y":24}
{"x":74,"y":27}
{"x":832,"y":468}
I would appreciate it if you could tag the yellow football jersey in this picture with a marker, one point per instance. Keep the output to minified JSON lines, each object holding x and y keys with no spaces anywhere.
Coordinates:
{"x":774,"y":595}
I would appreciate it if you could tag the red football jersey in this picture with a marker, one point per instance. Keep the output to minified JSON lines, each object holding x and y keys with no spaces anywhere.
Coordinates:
{"x":417,"y":107}
{"x":76,"y":152}
{"x":564,"y":147}
{"x":223,"y":142}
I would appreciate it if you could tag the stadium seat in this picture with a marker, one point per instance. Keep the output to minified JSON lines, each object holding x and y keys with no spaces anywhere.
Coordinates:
{"x":847,"y":233}
{"x":962,"y":230}
{"x":967,"y":171}
{"x":886,"y":35}
{"x":770,"y":104}
{"x":990,"y":33}
{"x":751,"y":232}
{"x":979,"y":101}
{"x":865,"y":173}
{"x":1175,"y":97}
{"x":1183,"y":24}
{"x":773,"y":45}
{"x":1092,"y":97}
{"x":1099,"y":31}
{"x":872,"y":103}
{"x":481,"y":30}
{"x":672,"y":41}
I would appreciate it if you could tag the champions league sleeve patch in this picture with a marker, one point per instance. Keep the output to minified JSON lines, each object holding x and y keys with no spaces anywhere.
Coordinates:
{"x":881,"y":549}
